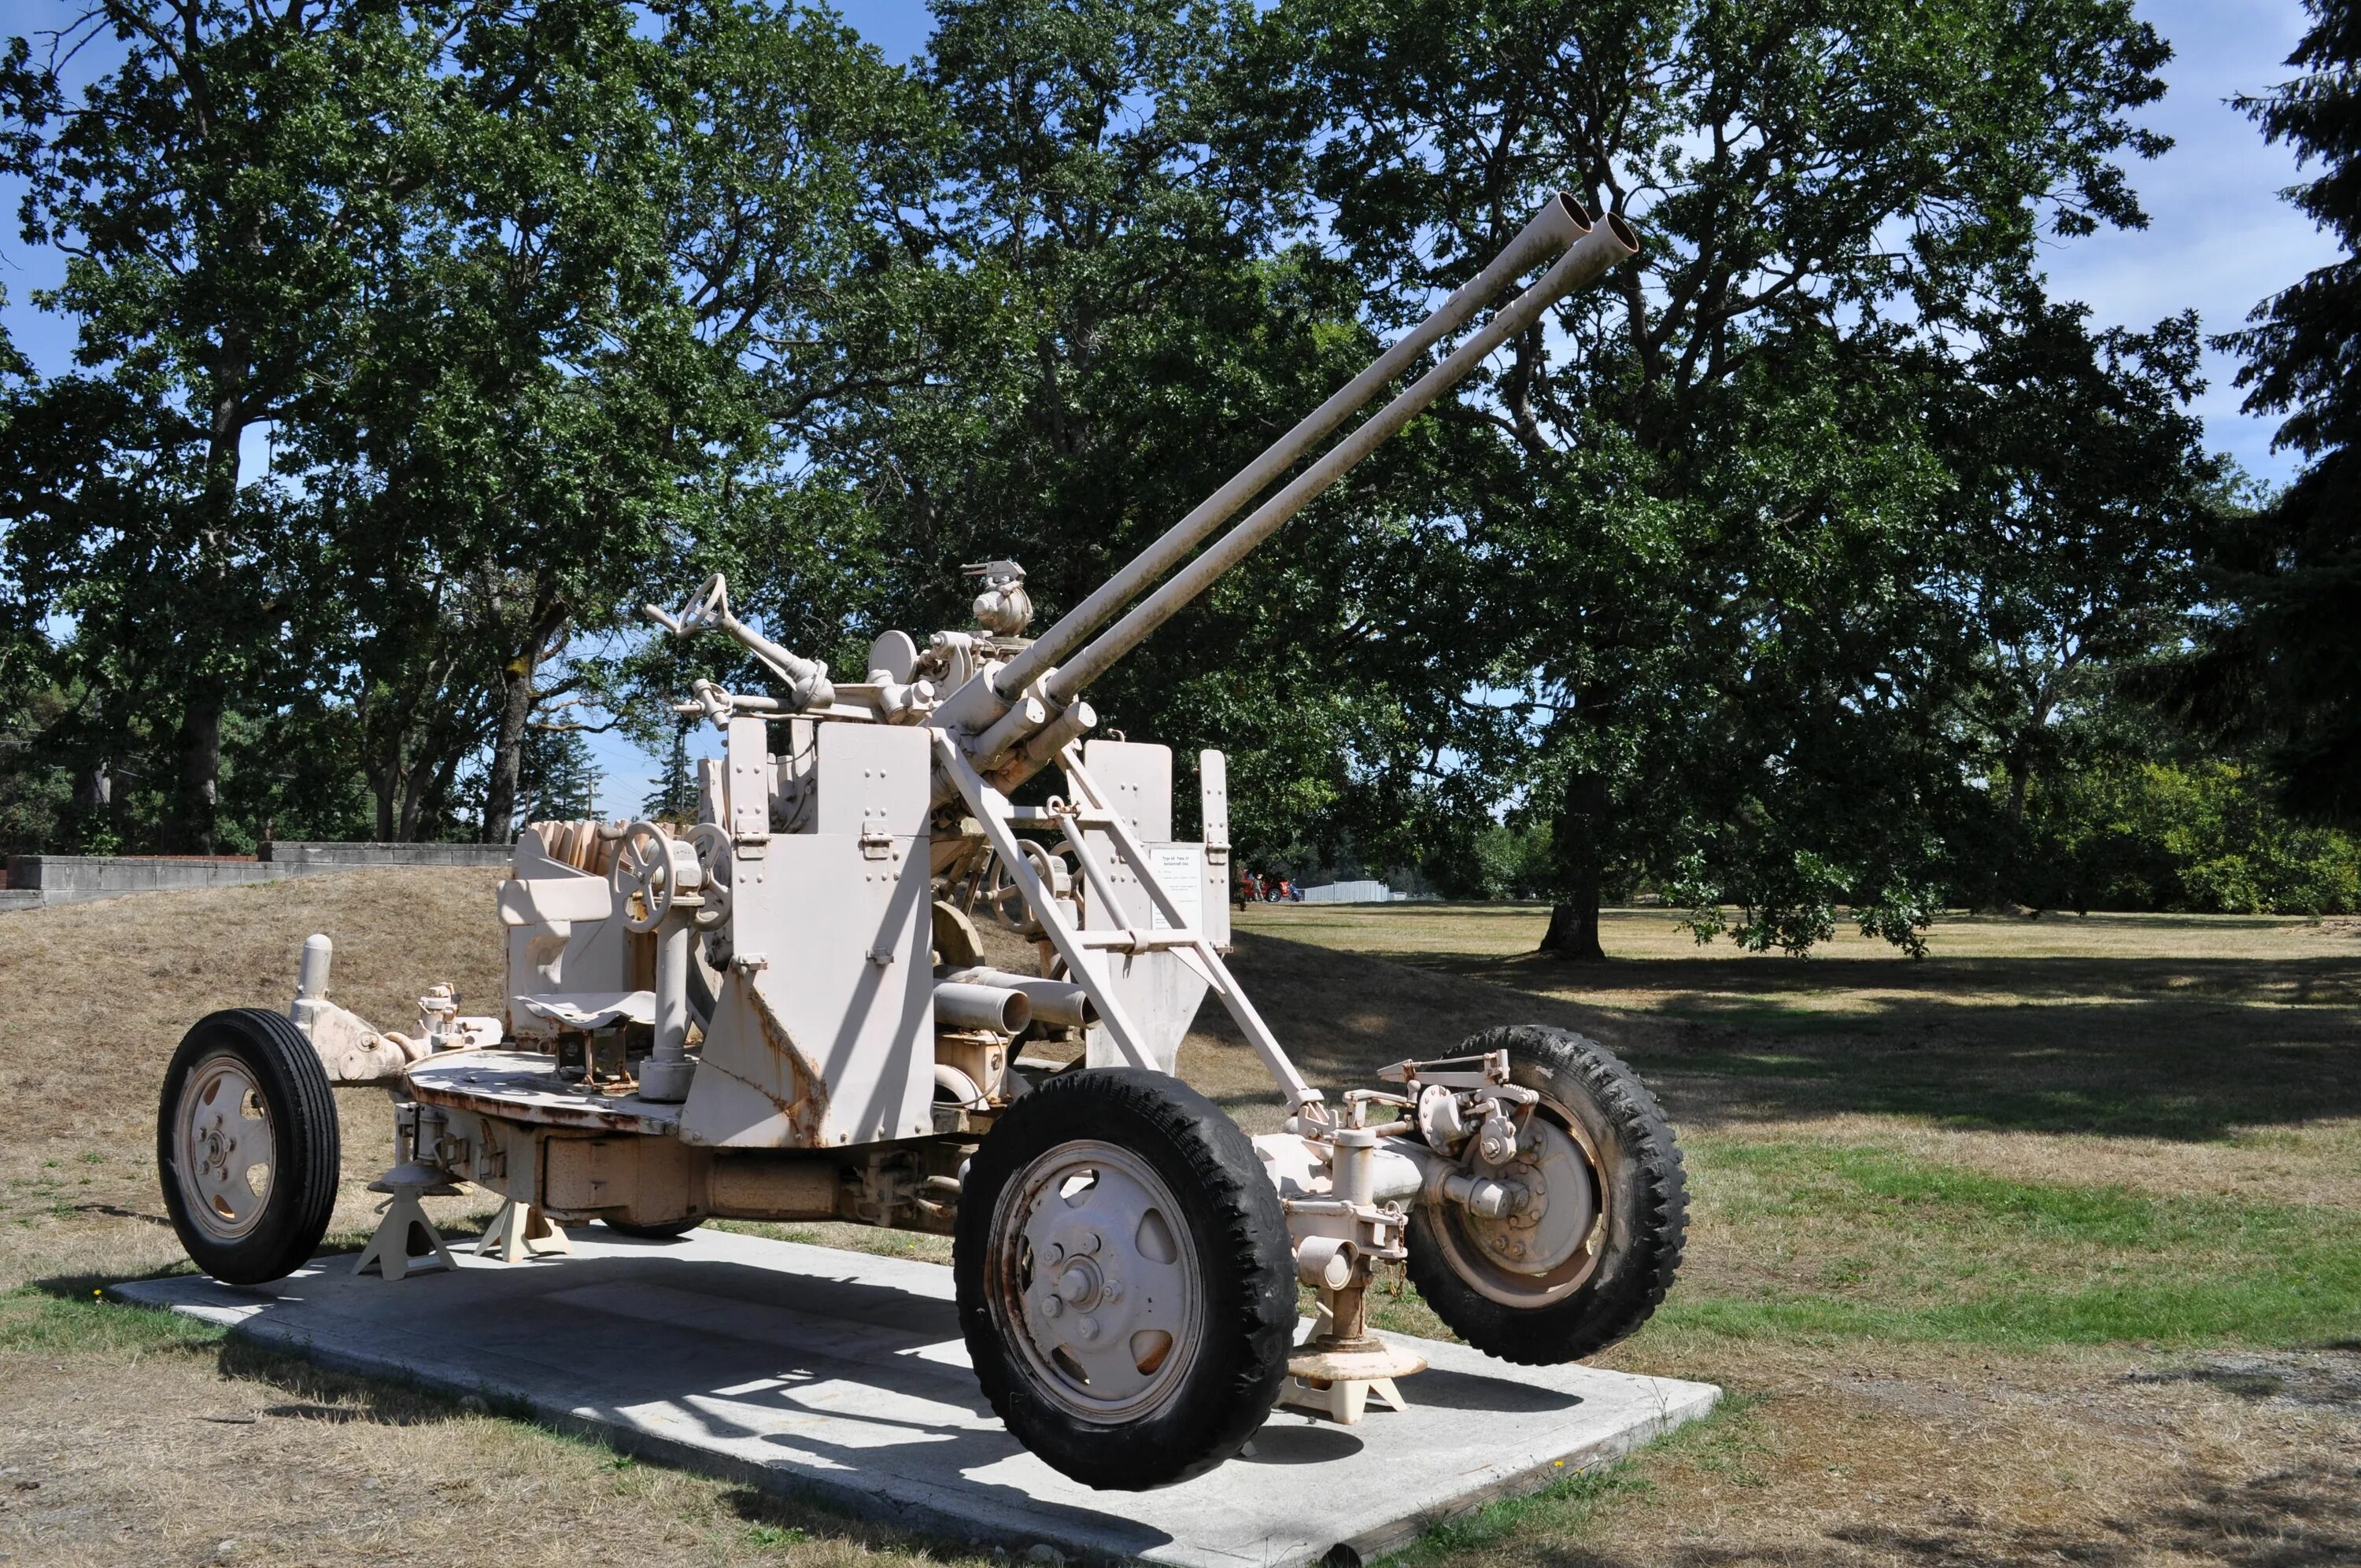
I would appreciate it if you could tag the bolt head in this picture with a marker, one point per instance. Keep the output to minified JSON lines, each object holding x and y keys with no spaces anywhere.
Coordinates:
{"x":1088,"y":1328}
{"x":1053,"y":1305}
{"x":1111,"y":1291}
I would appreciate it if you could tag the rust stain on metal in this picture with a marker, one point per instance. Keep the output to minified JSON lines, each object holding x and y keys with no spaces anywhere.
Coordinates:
{"x":588,"y":1116}
{"x":810,"y":1108}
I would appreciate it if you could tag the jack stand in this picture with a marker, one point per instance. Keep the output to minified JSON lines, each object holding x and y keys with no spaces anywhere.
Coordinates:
{"x":521,"y":1231}
{"x":388,"y":1245}
{"x":1333,"y":1374}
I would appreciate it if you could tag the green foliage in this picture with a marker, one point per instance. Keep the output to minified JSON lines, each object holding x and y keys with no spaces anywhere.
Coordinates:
{"x":2203,"y":836}
{"x":2281,"y":668}
{"x":1499,"y":861}
{"x":1723,"y":563}
{"x":521,"y":297}
{"x":1786,"y":572}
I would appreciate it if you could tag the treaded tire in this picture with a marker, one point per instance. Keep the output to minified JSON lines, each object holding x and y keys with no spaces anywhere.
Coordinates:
{"x":1646,"y":1209}
{"x":669,"y":1230}
{"x":306,"y":1145}
{"x":1244,"y":1264}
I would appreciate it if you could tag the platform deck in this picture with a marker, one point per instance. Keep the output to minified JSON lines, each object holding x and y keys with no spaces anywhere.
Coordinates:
{"x":801,"y":1369}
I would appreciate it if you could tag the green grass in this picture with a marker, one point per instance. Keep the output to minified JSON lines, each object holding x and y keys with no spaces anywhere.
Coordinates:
{"x":773,"y":1535}
{"x":876,"y":1241}
{"x":1854,"y":1242}
{"x":1906,"y":1250}
{"x":38,"y":1321}
{"x":1723,"y":1442}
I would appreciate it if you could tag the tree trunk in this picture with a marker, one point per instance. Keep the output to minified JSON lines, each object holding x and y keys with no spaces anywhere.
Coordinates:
{"x":1578,"y":838}
{"x":199,"y":744}
{"x":383,"y":785}
{"x":411,"y":799}
{"x":1574,"y":931}
{"x":201,"y":714}
{"x":542,"y":638}
{"x":507,"y":749}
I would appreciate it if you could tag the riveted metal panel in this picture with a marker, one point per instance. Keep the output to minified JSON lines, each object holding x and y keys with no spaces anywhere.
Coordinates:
{"x":1214,"y":798}
{"x":750,"y":781}
{"x":1159,"y":990}
{"x":824,"y":1035}
{"x":874,"y":779}
{"x":1220,"y":872}
{"x":1138,"y":778}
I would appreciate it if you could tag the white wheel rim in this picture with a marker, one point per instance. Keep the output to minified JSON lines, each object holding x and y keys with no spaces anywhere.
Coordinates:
{"x":227,"y":1148}
{"x":1094,"y":1283}
{"x":1550,"y":1249}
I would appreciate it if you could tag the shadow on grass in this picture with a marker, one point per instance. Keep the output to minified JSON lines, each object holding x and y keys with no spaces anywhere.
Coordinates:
{"x":67,"y":1313}
{"x":2135,"y":1047}
{"x":2307,"y":1512}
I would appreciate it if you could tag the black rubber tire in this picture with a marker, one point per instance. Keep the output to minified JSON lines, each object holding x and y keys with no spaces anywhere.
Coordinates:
{"x":1647,"y":1209}
{"x":306,"y":1156}
{"x":664,"y":1233}
{"x":1244,"y":1258}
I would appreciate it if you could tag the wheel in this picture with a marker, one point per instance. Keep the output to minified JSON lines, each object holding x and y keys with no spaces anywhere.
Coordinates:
{"x":247,"y":1145}
{"x":1581,"y":1267}
{"x":662,"y":1233}
{"x":1125,"y":1280}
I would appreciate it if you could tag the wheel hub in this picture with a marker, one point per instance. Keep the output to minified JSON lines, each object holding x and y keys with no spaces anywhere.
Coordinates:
{"x":1108,"y":1302}
{"x":1544,"y":1247}
{"x":1551,"y":1223}
{"x":225,"y":1148}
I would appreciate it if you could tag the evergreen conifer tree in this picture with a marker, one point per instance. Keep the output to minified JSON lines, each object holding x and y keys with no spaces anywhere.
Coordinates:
{"x":673,"y":799}
{"x":2284,"y":668}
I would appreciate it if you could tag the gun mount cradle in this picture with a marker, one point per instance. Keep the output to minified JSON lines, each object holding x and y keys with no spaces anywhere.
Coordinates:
{"x":782,"y":1012}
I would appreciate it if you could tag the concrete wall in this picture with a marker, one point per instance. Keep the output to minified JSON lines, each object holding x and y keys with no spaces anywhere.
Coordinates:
{"x":308,"y":857}
{"x":35,"y":881}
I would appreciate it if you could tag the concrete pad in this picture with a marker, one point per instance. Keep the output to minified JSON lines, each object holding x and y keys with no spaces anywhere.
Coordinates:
{"x":805,"y":1370}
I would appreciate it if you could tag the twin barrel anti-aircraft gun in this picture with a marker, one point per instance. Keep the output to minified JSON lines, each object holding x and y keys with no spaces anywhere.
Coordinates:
{"x":784,"y":1013}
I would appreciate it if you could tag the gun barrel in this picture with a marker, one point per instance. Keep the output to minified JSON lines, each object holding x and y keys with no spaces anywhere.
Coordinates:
{"x":1584,"y":264}
{"x":1561,"y":222}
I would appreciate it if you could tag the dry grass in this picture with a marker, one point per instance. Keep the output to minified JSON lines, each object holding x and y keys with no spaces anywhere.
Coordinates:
{"x":2175,"y":1053}
{"x":217,"y":1452}
{"x":1916,"y":1184}
{"x":2044,"y":1112}
{"x":93,"y":997}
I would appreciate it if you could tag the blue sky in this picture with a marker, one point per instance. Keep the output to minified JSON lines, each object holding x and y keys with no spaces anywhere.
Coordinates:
{"x":2219,"y":237}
